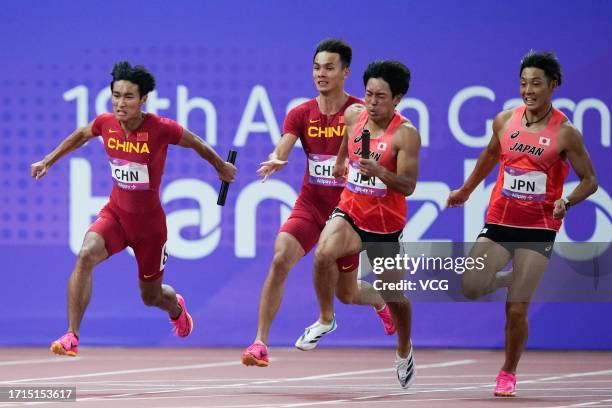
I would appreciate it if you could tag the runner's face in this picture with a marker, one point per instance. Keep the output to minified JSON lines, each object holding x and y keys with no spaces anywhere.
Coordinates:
{"x":379,"y":102}
{"x":536,"y":89}
{"x":328,"y":72}
{"x":126,"y":100}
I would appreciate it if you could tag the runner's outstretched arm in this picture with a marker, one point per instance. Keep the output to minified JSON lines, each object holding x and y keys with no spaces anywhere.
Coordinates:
{"x":71,"y":143}
{"x":278,"y":158}
{"x":487,"y":160}
{"x":225,"y":170}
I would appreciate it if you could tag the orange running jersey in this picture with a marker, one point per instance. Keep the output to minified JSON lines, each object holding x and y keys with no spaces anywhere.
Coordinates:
{"x":531,"y":175}
{"x":372,"y":206}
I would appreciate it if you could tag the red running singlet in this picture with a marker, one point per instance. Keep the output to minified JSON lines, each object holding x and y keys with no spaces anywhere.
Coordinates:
{"x":531,"y":175}
{"x":372,"y":206}
{"x":137,"y":159}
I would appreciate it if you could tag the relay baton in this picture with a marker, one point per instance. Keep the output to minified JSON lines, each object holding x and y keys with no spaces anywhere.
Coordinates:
{"x":231,"y":158}
{"x":365,"y":148}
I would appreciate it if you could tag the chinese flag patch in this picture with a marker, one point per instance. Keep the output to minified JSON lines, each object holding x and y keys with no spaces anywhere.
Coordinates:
{"x":142,"y":136}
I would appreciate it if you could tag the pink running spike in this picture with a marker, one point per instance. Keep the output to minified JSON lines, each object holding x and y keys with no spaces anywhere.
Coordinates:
{"x":387,"y":320}
{"x":256,"y":354}
{"x":67,"y":345}
{"x":505,"y":384}
{"x":183,"y":325}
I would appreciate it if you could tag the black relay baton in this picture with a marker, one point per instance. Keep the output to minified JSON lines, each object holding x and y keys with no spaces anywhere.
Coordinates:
{"x":365,"y":149}
{"x":231,"y":158}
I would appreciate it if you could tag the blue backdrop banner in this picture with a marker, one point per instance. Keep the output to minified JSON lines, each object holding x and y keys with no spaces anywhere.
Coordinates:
{"x":229,"y":71}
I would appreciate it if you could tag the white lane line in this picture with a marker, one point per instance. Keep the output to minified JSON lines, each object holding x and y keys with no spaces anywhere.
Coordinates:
{"x":572,"y":375}
{"x":357,"y":400}
{"x":601,"y":406}
{"x":133,"y":371}
{"x":347,"y":388}
{"x":345,"y":373}
{"x":310,"y":404}
{"x":534,"y":381}
{"x":40,"y":360}
{"x":413,"y":391}
{"x":362,"y":398}
{"x":372,"y":379}
{"x":406,"y":401}
{"x":488,"y":375}
{"x":280,"y":380}
{"x":583,"y":404}
{"x":154,"y":382}
{"x":120,"y":399}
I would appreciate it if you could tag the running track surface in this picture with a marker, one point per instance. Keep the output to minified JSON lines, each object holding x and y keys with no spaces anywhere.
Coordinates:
{"x":359,"y":378}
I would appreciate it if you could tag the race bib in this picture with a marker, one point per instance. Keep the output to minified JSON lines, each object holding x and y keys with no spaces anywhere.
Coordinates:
{"x":128,"y":175}
{"x":371,"y":186}
{"x":320,"y":168}
{"x":524,"y":184}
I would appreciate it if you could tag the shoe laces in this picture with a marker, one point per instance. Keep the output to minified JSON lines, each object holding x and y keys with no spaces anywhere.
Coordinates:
{"x":402,"y":364}
{"x":319,"y":324}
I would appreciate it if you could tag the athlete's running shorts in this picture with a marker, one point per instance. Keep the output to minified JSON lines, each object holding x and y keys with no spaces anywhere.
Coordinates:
{"x":376,"y":245}
{"x":512,"y":238}
{"x":145,"y":233}
{"x":305,"y":223}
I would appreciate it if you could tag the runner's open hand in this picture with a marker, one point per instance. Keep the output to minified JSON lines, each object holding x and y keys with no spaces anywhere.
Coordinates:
{"x":268,"y":167}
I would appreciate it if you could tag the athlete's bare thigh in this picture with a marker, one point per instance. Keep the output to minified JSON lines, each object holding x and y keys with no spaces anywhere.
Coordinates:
{"x":338,"y":239}
{"x":93,"y":249}
{"x":288,"y":248}
{"x":494,"y":257}
{"x":528,"y":267}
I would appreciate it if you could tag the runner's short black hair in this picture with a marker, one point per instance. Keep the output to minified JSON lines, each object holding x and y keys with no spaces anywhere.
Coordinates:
{"x":396,"y":74}
{"x":546,"y":61}
{"x":138,"y":75}
{"x":339,"y":47}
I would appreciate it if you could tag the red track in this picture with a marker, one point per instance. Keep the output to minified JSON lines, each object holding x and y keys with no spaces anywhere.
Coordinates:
{"x":110,"y":377}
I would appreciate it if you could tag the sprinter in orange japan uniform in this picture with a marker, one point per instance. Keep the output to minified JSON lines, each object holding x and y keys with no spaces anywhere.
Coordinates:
{"x":534,"y":143}
{"x":372,"y":208}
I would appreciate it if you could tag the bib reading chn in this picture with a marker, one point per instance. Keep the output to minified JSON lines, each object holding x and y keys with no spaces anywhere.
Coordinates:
{"x":128,"y":175}
{"x":320,"y":168}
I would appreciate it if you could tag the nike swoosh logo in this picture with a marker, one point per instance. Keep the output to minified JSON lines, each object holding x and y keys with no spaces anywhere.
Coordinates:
{"x":313,"y":120}
{"x":112,"y":131}
{"x":347,"y":268}
{"x":148,"y":276}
